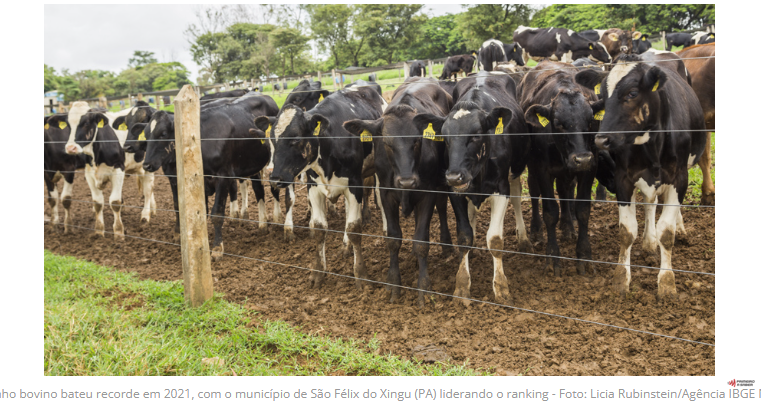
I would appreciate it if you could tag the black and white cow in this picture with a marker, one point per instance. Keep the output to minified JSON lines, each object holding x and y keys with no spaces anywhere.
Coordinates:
{"x":110,"y":167}
{"x":233,"y":153}
{"x":593,"y":35}
{"x":316,"y":142}
{"x":413,"y":162}
{"x":417,"y":69}
{"x":59,"y":164}
{"x":559,"y":111}
{"x":701,"y":38}
{"x":368,"y":84}
{"x":458,"y":64}
{"x":558,"y":44}
{"x":641,"y":45}
{"x":678,"y":39}
{"x":484,"y":159}
{"x":514,"y":53}
{"x":307,"y":95}
{"x":653,"y":126}
{"x":224,"y":94}
{"x":492,"y":52}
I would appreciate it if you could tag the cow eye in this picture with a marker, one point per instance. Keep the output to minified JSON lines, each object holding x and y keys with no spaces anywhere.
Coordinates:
{"x":294,"y":142}
{"x":633,"y":94}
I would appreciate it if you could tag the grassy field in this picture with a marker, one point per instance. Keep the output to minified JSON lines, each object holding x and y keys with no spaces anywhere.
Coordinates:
{"x":99,"y":321}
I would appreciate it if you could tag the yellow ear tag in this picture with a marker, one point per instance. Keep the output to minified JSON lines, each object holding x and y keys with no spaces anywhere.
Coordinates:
{"x":100,"y":124}
{"x":141,"y":137}
{"x":597,"y":89}
{"x":366,"y":136}
{"x":599,"y":115}
{"x":500,"y":128}
{"x":515,"y":50}
{"x":317,"y":129}
{"x":614,"y":38}
{"x":321,"y":98}
{"x":123,"y":126}
{"x":47,"y":126}
{"x":636,"y":36}
{"x":543,"y":120}
{"x":430,"y":134}
{"x":591,"y":47}
{"x":474,"y":54}
{"x":711,"y":36}
{"x":655,"y":87}
{"x":267,"y":133}
{"x":61,"y":125}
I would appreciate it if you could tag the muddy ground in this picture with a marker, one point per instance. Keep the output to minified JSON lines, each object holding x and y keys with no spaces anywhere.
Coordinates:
{"x":496,"y":339}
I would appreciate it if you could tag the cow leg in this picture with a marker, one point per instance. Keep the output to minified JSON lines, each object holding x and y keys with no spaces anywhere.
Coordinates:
{"x":97,"y":198}
{"x":368,"y":184}
{"x":115,"y":200}
{"x":52,"y":200}
{"x":346,"y":249}
{"x":277,"y":213}
{"x":218,"y":216}
{"x":627,"y":233}
{"x":393,"y":231}
{"x":175,"y":201}
{"x":243,"y":185}
{"x":318,"y":224}
{"x":68,"y":190}
{"x":524,"y":245}
{"x":445,"y":237}
{"x":233,"y":192}
{"x":495,"y":242}
{"x":259,"y":195}
{"x":566,"y":209}
{"x":353,"y":201}
{"x":536,"y":221}
{"x":600,"y":194}
{"x":666,"y":233}
{"x":649,"y":242}
{"x":709,"y":191}
{"x":465,"y":236}
{"x":290,"y":200}
{"x":421,"y":243}
{"x":149,"y":209}
{"x":681,"y":232}
{"x":550,"y":214}
{"x":379,"y":203}
{"x":583,"y":207}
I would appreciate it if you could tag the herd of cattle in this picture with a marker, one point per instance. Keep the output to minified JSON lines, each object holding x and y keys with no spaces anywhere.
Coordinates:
{"x":640,"y":124}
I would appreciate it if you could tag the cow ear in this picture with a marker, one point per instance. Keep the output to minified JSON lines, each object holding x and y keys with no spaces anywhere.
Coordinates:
{"x":654,"y":79}
{"x":358,"y":126}
{"x":118,"y":122}
{"x":636,"y":35}
{"x":322,"y":94}
{"x":264,"y":122}
{"x":498,"y":119}
{"x":137,"y":130}
{"x":538,"y":115}
{"x":597,"y":106}
{"x":643,"y":37}
{"x":422,"y":121}
{"x":590,"y":78}
{"x":613,"y":36}
{"x":100,"y":120}
{"x":56,"y":120}
{"x":317,"y":124}
{"x":257,"y":133}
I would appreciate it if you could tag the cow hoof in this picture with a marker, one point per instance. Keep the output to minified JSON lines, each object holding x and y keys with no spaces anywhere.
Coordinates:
{"x":620,"y":285}
{"x":176,"y":236}
{"x":67,"y":230}
{"x":263,"y":230}
{"x":315,"y":280}
{"x":217,"y":252}
{"x":666,"y":286}
{"x":119,"y":237}
{"x":536,"y":236}
{"x":289,"y":236}
{"x":581,"y":268}
{"x":346,"y":250}
{"x":505,"y":299}
{"x":395,"y":295}
{"x":525,"y":246}
{"x":462,"y":296}
{"x":708,"y":199}
{"x":144,"y":221}
{"x":567,"y":235}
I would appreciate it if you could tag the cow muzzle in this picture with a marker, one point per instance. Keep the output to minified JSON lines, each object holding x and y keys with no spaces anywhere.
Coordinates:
{"x":411,"y":182}
{"x":580,"y":162}
{"x":602,"y":142}
{"x":457,"y":181}
{"x":73,"y":149}
{"x":149,"y":167}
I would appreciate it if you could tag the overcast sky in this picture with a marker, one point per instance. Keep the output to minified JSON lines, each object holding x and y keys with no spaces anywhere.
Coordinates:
{"x":103,"y":37}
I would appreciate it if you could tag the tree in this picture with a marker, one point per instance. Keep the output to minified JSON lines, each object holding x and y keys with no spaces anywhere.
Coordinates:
{"x":485,"y":21}
{"x":439,"y":37}
{"x":290,"y":42}
{"x":331,"y":27}
{"x":141,"y":58}
{"x":390,"y":29}
{"x":51,"y":80}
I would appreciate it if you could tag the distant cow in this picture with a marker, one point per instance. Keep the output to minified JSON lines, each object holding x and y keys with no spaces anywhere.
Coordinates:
{"x":701,"y":38}
{"x":458,"y":64}
{"x":514,"y":53}
{"x":59,"y":164}
{"x":618,"y":41}
{"x":559,"y":44}
{"x":409,"y":162}
{"x":369,"y":84}
{"x":417,"y":69}
{"x":307,"y":94}
{"x":678,"y":39}
{"x":593,"y":34}
{"x":702,"y":68}
{"x":655,"y":131}
{"x":224,"y":94}
{"x":641,"y":45}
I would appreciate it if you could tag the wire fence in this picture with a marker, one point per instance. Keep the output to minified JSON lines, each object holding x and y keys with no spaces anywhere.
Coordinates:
{"x":431,"y":292}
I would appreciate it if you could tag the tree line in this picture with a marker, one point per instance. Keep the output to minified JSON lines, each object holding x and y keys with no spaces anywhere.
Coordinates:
{"x":239,"y":42}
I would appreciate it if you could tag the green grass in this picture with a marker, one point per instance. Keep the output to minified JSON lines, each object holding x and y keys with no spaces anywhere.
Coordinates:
{"x":99,"y":321}
{"x":696,"y":177}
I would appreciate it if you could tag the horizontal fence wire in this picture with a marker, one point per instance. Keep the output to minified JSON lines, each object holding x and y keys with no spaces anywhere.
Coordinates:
{"x":522,"y":197}
{"x":420,"y":241}
{"x":432,"y":292}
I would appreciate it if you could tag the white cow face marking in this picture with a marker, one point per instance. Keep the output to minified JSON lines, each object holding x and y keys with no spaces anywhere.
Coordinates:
{"x":284,"y":120}
{"x":642,"y":139}
{"x":619,"y":72}
{"x":461,"y":113}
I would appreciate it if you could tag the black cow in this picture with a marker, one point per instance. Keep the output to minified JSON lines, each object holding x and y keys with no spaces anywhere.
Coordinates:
{"x":492,"y":52}
{"x":558,"y":110}
{"x":586,"y":63}
{"x":224,"y":94}
{"x":558,"y":44}
{"x":316,"y":142}
{"x":417,"y":69}
{"x":458,"y":64}
{"x":641,"y":45}
{"x":654,"y":128}
{"x":701,"y":38}
{"x":235,"y":156}
{"x":514,"y":53}
{"x":369,"y":84}
{"x":678,"y":39}
{"x":484,"y":159}
{"x":593,"y":35}
{"x":413,"y":162}
{"x":59,"y":164}
{"x":307,"y":94}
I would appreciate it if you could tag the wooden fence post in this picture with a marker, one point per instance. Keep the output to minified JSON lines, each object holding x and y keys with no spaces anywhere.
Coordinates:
{"x":194,"y":239}
{"x":430,"y":68}
{"x":406,"y":71}
{"x":663,"y":38}
{"x":139,"y":96}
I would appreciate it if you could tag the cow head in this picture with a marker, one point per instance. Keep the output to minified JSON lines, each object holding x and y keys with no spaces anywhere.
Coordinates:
{"x":295,"y":136}
{"x":599,"y":52}
{"x":160,"y":148}
{"x":400,"y":139}
{"x":87,"y":130}
{"x":141,"y":113}
{"x":136,"y":136}
{"x":514,"y":53}
{"x":567,"y":116}
{"x":307,"y":95}
{"x":630,"y":98}
{"x":57,"y":122}
{"x":466,"y":131}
